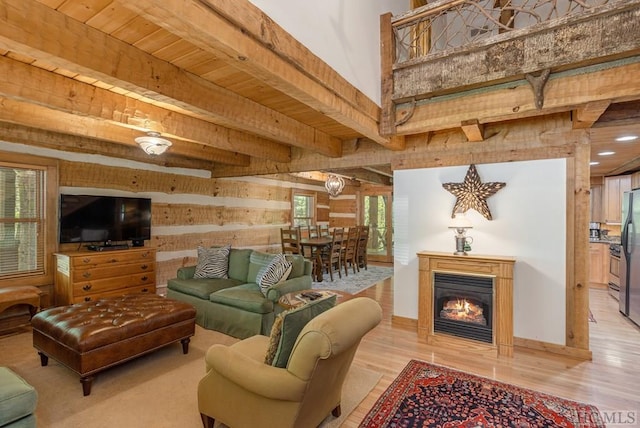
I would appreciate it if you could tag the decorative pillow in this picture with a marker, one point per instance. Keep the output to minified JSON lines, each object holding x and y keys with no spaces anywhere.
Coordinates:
{"x":213,"y":262}
{"x":273,"y":273}
{"x":274,"y":339}
{"x":288,"y":325}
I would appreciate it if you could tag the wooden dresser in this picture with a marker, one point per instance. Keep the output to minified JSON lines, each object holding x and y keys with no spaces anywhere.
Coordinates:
{"x":83,"y":276}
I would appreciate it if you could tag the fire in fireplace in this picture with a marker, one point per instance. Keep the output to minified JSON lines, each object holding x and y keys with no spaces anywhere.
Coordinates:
{"x":463,"y":306}
{"x":464,"y":310}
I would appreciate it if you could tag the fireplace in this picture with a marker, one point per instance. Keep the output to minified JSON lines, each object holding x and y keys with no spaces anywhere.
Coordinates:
{"x":466,"y":302}
{"x":463,"y":306}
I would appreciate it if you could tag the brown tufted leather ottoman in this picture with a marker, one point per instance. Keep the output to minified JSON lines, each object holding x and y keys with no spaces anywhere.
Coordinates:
{"x":92,"y":336}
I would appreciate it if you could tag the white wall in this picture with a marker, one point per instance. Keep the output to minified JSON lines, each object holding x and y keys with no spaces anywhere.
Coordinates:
{"x":529,"y":223}
{"x":343,"y":33}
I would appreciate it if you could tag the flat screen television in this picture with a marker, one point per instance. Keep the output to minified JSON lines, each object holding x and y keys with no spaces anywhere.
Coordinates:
{"x":104,"y":220}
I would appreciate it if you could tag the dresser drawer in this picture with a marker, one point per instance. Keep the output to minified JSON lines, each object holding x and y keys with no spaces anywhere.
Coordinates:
{"x":90,"y":273}
{"x":114,"y":283}
{"x":114,"y":257}
{"x":97,"y":296}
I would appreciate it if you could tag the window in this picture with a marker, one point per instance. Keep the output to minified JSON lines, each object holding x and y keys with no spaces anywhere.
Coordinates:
{"x":303,"y":207}
{"x":27,"y":220}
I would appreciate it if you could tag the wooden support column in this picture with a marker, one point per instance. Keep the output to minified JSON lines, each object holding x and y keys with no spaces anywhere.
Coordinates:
{"x":578,"y":212}
{"x":387,"y":58}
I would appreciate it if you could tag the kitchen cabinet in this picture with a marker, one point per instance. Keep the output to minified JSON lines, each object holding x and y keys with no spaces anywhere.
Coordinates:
{"x":635,"y":180}
{"x":595,"y":197}
{"x":599,"y":262}
{"x":613,"y":189}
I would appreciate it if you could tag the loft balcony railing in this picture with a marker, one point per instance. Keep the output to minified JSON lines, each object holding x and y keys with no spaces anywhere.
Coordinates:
{"x":440,"y":27}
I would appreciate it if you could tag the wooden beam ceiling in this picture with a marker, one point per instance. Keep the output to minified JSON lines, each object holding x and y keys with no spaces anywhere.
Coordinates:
{"x":246,"y":48}
{"x":127,"y":67}
{"x":237,"y":95}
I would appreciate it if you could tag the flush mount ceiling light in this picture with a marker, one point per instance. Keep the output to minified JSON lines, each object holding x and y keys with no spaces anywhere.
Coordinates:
{"x":609,"y":153}
{"x":334,"y":185}
{"x":594,"y":163}
{"x":153,"y":144}
{"x":627,"y":138}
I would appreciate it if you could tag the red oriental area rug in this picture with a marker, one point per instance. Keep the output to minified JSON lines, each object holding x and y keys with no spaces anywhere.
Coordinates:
{"x":426,"y":395}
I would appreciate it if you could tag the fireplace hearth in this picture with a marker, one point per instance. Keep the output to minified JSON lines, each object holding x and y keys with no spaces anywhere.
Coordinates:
{"x":463,"y":306}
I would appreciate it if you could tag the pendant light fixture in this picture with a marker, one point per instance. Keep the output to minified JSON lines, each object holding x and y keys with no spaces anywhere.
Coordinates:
{"x":153,"y":144}
{"x":334,"y":185}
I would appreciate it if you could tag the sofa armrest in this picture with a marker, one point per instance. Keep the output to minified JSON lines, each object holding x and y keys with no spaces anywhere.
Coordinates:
{"x":186,"y":272}
{"x":291,"y":285}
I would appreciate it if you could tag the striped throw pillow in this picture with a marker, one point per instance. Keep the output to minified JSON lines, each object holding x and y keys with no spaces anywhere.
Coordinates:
{"x":273,"y":273}
{"x":213,"y":262}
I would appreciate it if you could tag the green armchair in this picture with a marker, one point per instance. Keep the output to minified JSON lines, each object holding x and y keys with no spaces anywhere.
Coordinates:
{"x":241,"y":390}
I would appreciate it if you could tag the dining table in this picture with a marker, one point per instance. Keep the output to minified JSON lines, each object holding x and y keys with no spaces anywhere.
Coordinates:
{"x":316,"y":246}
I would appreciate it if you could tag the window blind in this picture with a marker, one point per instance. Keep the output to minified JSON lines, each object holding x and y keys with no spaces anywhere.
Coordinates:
{"x":22,"y":215}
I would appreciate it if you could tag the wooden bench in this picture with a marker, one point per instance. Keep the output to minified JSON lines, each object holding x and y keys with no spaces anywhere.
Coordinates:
{"x":17,"y":305}
{"x":92,"y":336}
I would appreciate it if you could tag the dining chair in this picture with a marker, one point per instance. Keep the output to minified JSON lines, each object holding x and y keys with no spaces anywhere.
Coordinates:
{"x":331,"y":259}
{"x":290,"y":240}
{"x":349,"y":250}
{"x":361,"y":251}
{"x":323,"y":230}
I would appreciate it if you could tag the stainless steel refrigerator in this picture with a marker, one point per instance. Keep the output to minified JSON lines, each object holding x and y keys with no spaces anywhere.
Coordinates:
{"x":630,"y":256}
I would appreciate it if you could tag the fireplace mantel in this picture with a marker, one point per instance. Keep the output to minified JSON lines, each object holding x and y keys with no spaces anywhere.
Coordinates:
{"x":498,"y":267}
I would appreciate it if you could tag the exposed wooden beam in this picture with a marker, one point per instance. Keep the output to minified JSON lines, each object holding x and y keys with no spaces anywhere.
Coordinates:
{"x":363,"y":175}
{"x":20,"y":81}
{"x":40,"y":138}
{"x":120,"y":64}
{"x":473,"y":129}
{"x":534,"y":138}
{"x":585,"y":116}
{"x":41,"y":117}
{"x":380,"y":169}
{"x":495,"y":104}
{"x":216,"y":29}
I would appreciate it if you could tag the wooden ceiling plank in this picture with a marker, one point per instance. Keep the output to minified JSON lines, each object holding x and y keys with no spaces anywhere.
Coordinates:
{"x":111,"y":18}
{"x":585,"y":116}
{"x":31,"y":115}
{"x":22,"y":82}
{"x":71,"y":143}
{"x":211,"y":32}
{"x":516,"y":102}
{"x":82,"y":11}
{"x":120,"y":64}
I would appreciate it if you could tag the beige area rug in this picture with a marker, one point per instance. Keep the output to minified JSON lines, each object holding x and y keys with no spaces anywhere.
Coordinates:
{"x":157,"y":390}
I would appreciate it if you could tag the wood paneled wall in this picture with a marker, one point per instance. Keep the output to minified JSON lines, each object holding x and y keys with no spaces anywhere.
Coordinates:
{"x":189,"y":210}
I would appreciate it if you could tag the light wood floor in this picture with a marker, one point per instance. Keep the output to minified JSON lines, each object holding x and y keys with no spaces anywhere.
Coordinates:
{"x":611,"y":381}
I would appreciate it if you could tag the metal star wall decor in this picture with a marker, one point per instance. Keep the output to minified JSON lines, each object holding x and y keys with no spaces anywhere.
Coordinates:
{"x":472,"y":193}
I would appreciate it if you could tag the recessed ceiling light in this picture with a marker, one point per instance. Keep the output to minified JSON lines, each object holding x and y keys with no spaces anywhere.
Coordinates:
{"x":606,"y":153}
{"x":594,"y":163}
{"x":627,"y":138}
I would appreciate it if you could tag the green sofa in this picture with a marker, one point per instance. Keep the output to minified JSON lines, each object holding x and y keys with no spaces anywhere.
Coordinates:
{"x":237,"y":306}
{"x":18,"y":401}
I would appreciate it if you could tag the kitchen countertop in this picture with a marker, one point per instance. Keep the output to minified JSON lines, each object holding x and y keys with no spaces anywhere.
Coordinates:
{"x":608,"y":240}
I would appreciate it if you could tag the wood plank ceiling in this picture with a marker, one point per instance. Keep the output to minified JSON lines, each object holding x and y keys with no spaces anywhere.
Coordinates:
{"x":233,"y":91}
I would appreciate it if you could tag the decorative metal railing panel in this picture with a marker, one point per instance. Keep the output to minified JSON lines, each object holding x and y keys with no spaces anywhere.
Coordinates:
{"x":445,"y":25}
